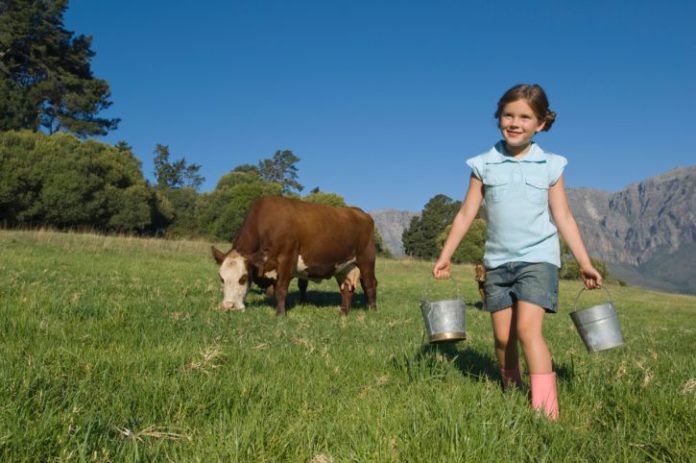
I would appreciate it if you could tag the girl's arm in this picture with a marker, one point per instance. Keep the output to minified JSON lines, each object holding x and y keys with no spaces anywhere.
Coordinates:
{"x":460,"y":225}
{"x":563,"y":217}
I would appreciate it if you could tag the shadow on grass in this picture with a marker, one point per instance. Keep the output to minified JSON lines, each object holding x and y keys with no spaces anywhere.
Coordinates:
{"x":474,"y":364}
{"x":468,"y":361}
{"x":564,"y":372}
{"x":330,"y":299}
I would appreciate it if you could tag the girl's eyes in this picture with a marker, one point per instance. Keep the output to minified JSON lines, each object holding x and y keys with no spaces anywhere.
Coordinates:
{"x":523,"y":116}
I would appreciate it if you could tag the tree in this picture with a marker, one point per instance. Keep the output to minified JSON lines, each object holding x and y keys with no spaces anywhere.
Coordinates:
{"x":420,"y":238}
{"x":61,"y":182}
{"x":328,"y":199}
{"x":45,"y":75}
{"x":223,"y":210}
{"x":237,"y":176}
{"x":471,"y":247}
{"x":281,"y":169}
{"x":177,"y":174}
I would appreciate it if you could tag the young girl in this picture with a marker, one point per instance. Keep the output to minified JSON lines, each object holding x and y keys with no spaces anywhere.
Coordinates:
{"x":521,"y":184}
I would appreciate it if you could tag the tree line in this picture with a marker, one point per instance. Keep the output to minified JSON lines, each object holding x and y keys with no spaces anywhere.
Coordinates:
{"x":63,"y":182}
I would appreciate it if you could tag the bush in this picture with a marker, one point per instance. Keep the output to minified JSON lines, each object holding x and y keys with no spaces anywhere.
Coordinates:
{"x":472,"y":247}
{"x":62,"y":182}
{"x":570,"y":270}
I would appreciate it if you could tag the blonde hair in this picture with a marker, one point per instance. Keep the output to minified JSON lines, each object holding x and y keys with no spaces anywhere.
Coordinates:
{"x":535,"y":96}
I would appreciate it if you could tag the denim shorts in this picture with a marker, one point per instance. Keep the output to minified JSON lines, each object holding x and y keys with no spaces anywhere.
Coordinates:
{"x":522,"y":281}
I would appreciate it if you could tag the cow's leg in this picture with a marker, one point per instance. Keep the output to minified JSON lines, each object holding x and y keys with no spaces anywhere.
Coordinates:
{"x":285,"y":271}
{"x":347,"y":290}
{"x":368,"y":281}
{"x":302,"y":285}
{"x":347,"y":284}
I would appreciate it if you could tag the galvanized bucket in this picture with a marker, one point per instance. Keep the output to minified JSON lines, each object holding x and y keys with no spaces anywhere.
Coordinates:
{"x":444,"y":319}
{"x":598,"y":325}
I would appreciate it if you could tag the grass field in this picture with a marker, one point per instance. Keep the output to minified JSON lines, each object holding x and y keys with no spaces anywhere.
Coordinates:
{"x":112,"y":350}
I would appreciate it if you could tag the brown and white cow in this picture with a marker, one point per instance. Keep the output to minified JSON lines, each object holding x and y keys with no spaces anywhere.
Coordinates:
{"x":282,"y":238}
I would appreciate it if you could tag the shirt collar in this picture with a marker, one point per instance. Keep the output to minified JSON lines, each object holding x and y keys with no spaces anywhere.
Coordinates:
{"x":498,"y":154}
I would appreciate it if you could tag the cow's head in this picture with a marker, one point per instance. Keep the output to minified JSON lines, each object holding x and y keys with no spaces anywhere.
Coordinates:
{"x":234,"y":273}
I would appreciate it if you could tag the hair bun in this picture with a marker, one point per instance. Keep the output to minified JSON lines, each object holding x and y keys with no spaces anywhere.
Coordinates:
{"x":549,"y":120}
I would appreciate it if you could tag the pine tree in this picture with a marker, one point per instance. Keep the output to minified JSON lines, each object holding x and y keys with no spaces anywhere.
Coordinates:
{"x":281,"y":169}
{"x":45,"y":75}
{"x":177,"y":174}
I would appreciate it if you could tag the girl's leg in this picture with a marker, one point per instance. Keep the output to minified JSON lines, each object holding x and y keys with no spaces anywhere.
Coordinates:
{"x":530,"y":319}
{"x":505,"y":337}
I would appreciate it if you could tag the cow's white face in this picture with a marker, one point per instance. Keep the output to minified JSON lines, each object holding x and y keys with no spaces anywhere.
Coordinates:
{"x":235,"y":279}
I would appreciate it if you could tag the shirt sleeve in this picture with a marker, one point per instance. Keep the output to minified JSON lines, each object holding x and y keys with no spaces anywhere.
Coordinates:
{"x":476,"y":164}
{"x":556,"y":165}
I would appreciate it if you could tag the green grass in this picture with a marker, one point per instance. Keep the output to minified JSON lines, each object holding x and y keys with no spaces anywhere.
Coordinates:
{"x":112,"y":350}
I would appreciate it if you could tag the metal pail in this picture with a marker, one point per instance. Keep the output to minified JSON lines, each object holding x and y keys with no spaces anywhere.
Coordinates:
{"x":598,"y":325}
{"x":444,"y":319}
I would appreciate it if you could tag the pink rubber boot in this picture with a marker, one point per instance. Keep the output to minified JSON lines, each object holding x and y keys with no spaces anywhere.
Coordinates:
{"x":511,"y":378}
{"x":544,"y":395}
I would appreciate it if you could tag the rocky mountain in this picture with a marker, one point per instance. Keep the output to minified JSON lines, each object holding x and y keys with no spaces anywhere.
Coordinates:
{"x":391,"y":225}
{"x":646,"y":233}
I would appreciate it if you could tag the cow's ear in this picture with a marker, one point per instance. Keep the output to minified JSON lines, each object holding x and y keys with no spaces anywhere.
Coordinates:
{"x":218,"y":255}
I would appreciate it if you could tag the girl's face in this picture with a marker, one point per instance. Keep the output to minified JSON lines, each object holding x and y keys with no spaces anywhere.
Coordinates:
{"x":518,"y":124}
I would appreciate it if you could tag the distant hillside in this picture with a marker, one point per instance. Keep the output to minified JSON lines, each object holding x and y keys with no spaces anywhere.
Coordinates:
{"x":646,"y":233}
{"x":391,"y":225}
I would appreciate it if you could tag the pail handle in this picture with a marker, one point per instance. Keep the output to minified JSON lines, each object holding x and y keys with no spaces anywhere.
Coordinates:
{"x":575,"y":304}
{"x":424,"y":294}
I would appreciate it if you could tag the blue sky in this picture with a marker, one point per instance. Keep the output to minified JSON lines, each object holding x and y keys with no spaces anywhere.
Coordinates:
{"x":383,"y":101}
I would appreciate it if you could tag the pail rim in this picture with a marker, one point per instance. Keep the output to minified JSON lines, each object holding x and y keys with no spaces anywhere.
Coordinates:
{"x":595,"y":313}
{"x":427,"y":301}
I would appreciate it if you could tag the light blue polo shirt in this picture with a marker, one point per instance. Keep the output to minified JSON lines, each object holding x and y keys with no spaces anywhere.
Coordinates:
{"x":516,"y":198}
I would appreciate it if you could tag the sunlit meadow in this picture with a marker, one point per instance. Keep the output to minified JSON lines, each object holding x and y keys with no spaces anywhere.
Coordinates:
{"x":112,"y":349}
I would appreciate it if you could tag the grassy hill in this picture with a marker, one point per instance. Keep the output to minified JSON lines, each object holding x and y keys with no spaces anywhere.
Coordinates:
{"x":113,"y":350}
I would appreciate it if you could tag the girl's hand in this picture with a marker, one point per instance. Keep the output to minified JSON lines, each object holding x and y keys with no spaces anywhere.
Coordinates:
{"x":441,"y":269}
{"x":591,"y":277}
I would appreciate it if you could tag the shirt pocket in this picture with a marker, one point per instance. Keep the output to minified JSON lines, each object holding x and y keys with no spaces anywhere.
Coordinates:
{"x":496,"y":186}
{"x":536,"y":189}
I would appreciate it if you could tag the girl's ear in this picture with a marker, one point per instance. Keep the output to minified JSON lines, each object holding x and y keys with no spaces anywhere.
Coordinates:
{"x":541,"y":126}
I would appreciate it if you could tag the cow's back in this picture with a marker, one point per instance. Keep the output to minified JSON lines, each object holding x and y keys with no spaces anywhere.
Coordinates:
{"x":316,"y":231}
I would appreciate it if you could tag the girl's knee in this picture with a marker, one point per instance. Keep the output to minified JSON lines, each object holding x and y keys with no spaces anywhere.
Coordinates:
{"x":502,"y":341}
{"x":528,"y":337}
